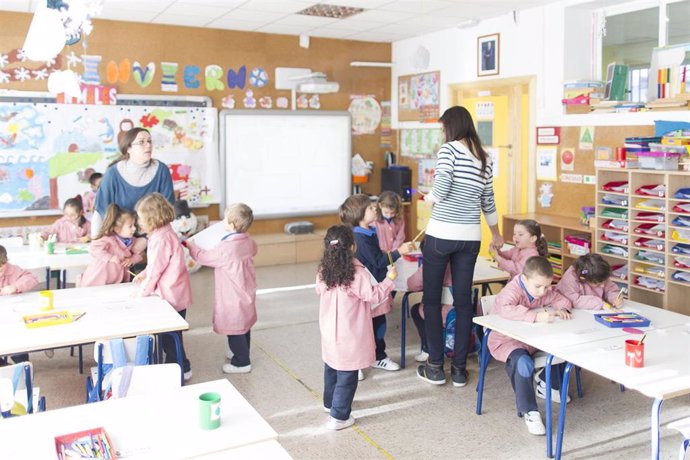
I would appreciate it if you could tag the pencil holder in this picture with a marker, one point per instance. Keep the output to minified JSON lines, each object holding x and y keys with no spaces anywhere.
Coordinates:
{"x":46,"y":300}
{"x":634,"y":353}
{"x":209,"y":411}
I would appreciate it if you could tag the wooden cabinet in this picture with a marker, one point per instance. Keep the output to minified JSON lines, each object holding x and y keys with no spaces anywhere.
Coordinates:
{"x":555,"y":229}
{"x":643,"y":227}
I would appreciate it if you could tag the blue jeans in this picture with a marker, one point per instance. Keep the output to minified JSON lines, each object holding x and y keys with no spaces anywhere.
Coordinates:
{"x":520,"y":369}
{"x":239,"y":346}
{"x":338,"y":391}
{"x":462,"y":256}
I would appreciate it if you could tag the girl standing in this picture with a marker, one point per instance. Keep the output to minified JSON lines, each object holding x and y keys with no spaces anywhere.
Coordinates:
{"x":390,"y":226}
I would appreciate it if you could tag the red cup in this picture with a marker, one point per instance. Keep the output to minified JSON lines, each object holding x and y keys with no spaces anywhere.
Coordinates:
{"x":634,"y":353}
{"x":620,"y":153}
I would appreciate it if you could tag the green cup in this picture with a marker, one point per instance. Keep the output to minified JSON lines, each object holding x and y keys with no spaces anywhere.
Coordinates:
{"x":50,"y":247}
{"x":209,"y":411}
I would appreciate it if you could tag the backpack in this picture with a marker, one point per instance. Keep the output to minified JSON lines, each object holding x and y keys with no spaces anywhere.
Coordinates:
{"x":449,"y":336}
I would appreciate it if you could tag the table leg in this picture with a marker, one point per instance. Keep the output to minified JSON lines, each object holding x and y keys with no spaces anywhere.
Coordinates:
{"x":483,"y":363}
{"x":47,"y":279}
{"x":403,"y":327}
{"x":656,"y":409}
{"x":564,"y":404}
{"x":64,"y":279}
{"x":81,"y":360}
{"x":549,"y":422}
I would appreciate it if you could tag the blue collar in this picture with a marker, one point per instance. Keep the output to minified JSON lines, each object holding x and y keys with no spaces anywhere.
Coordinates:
{"x":371,"y":231}
{"x":522,"y":285}
{"x":125,"y":241}
{"x":390,"y":221}
{"x":229,"y":234}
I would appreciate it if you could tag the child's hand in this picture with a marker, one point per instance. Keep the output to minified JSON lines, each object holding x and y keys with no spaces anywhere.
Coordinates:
{"x":8,"y":290}
{"x":618,"y":302}
{"x":563,"y":314}
{"x":84,"y":239}
{"x":392,"y":272}
{"x":406,"y":248}
{"x":138,"y":279}
{"x":127,"y":262}
{"x":544,"y":317}
{"x":611,"y":308}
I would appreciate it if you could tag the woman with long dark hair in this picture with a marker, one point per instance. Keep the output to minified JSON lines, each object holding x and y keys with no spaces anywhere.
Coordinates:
{"x":462,"y":191}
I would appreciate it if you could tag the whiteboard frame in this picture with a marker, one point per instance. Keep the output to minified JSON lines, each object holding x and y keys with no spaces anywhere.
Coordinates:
{"x":222,"y":124}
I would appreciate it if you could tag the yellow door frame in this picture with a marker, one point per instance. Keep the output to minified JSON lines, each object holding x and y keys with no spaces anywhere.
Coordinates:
{"x":514,"y":88}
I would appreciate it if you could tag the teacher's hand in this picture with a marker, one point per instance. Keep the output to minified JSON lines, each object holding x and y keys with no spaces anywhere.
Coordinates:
{"x":497,"y":242}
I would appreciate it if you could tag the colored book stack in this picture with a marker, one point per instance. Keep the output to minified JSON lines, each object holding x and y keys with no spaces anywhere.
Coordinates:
{"x":579,"y":94}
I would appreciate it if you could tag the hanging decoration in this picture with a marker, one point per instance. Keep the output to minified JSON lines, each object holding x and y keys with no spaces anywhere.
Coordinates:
{"x":23,"y":72}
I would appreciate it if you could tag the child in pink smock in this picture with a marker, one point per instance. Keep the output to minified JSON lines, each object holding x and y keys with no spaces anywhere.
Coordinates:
{"x":114,"y":250}
{"x":347,"y":338}
{"x":166,"y":274}
{"x":234,"y":305}
{"x":72,"y":227}
{"x":90,"y":195}
{"x":529,"y":242}
{"x":587,"y":284}
{"x":390,"y":226}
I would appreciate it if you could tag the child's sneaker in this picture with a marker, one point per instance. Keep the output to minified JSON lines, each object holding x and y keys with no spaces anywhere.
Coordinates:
{"x":326,"y":409}
{"x":459,"y":376}
{"x":187,"y":376}
{"x":230,"y":369}
{"x":386,"y":364}
{"x":360,"y":375}
{"x":335,"y":424}
{"x":228,"y":354}
{"x":432,"y":373}
{"x":555,"y":394}
{"x":421,"y":357}
{"x":534,"y":424}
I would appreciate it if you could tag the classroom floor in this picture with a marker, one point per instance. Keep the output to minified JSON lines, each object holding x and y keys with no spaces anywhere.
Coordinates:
{"x":398,"y":416}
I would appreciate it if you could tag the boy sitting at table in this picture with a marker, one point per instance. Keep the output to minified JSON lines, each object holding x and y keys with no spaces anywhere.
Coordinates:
{"x":526,"y":298}
{"x":14,"y":280}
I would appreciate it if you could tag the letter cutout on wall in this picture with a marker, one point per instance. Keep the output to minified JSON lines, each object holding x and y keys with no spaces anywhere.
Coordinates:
{"x":190,"y":73}
{"x":169,"y":70}
{"x":118,"y":72}
{"x":237,"y":80}
{"x":213,"y":75}
{"x":90,"y":75}
{"x":143,"y":76}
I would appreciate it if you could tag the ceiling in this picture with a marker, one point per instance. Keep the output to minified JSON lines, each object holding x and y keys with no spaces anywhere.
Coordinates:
{"x":381,"y":20}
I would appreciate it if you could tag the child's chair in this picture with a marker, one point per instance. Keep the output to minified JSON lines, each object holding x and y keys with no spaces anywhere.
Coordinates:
{"x":112,"y":354}
{"x":143,"y":380}
{"x":683,"y":426}
{"x":539,"y":357}
{"x":18,"y":396}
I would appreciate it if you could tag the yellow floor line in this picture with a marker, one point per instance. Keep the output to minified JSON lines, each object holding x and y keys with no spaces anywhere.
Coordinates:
{"x":318,"y":397}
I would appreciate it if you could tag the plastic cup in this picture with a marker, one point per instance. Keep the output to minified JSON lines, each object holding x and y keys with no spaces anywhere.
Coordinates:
{"x":209,"y":411}
{"x":50,"y":247}
{"x":634,"y":353}
{"x":46,"y":300}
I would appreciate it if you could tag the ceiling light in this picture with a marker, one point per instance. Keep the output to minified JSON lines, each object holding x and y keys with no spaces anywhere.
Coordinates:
{"x":466,"y":23}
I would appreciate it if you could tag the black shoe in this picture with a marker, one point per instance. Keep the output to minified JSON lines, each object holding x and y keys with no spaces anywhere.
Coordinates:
{"x":459,"y":376}
{"x":432,"y":373}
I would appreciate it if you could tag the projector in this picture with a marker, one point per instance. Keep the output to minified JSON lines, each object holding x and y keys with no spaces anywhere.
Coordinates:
{"x":319,"y":87}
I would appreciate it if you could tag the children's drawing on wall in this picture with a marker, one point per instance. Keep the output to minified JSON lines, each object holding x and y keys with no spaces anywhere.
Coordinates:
{"x":302,"y":101}
{"x":266,"y":102}
{"x":419,"y":97}
{"x":416,"y":142}
{"x":586,"y":138}
{"x":546,"y":163}
{"x":228,"y":102}
{"x":427,"y":168}
{"x":49,"y":151}
{"x":282,"y":102}
{"x":314,"y":102}
{"x":249,"y":100}
{"x":366,"y":114}
{"x":545,"y":195}
{"x":567,"y":159}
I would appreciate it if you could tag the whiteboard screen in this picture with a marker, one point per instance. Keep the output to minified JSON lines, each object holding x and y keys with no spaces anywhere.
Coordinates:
{"x":286,"y":163}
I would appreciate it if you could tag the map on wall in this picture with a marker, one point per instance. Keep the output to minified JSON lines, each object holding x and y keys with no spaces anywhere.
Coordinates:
{"x":48,"y":151}
{"x":419,"y":97}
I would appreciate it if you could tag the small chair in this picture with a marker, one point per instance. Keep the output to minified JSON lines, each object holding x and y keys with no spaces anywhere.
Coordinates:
{"x":539,"y":357}
{"x":16,"y":387}
{"x":143,"y":380}
{"x":683,"y":426}
{"x":113,"y":354}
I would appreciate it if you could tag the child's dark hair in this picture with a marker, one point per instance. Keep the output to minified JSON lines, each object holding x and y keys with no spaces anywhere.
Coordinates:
{"x":3,"y":255}
{"x":94,"y":177}
{"x":78,"y":205}
{"x":391,"y":200}
{"x":533,"y":228}
{"x":592,"y":268}
{"x":538,"y":266}
{"x":337,"y":267}
{"x":353,"y":209}
{"x":114,"y":217}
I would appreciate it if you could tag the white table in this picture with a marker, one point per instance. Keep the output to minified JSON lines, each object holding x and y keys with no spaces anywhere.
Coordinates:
{"x":111,"y":312}
{"x":485,"y":273}
{"x":582,"y":341}
{"x":28,"y":259}
{"x":162,"y":425}
{"x":261,"y":451}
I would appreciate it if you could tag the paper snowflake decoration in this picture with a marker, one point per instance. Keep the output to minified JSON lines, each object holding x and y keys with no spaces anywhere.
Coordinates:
{"x":4,"y":77}
{"x":40,"y":74}
{"x":4,"y":60}
{"x":22,"y":74}
{"x":72,"y":60}
{"x":50,"y":62}
{"x":21,"y":54}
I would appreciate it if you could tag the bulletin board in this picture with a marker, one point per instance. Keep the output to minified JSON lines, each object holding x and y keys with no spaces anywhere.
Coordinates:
{"x":48,"y":150}
{"x":419,"y":97}
{"x":568,"y":198}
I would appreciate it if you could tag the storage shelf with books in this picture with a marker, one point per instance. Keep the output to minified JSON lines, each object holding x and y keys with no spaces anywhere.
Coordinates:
{"x":657,"y":247}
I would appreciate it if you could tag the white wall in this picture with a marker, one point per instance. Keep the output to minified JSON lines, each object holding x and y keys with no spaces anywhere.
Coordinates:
{"x":533,"y":46}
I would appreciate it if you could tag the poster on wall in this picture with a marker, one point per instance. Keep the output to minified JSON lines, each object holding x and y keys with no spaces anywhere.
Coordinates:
{"x":427,"y":168}
{"x":419,"y":97}
{"x":546,"y":163}
{"x":420,"y":142}
{"x":567,"y":159}
{"x":366,"y":114}
{"x":48,"y":151}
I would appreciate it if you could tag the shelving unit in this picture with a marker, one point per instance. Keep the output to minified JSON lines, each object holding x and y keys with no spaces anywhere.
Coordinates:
{"x":555,"y":229}
{"x":648,"y":253}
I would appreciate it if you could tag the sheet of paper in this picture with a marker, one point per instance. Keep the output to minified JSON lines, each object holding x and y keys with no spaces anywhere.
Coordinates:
{"x":210,"y":237}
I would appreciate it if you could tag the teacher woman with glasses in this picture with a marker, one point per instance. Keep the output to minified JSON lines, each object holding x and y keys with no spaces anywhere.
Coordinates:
{"x":132,"y":177}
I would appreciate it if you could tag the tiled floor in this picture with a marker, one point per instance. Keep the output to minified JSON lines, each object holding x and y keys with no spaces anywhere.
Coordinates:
{"x":398,"y":416}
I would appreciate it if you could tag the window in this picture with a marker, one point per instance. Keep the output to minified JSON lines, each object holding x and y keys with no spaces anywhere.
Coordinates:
{"x":678,"y":15}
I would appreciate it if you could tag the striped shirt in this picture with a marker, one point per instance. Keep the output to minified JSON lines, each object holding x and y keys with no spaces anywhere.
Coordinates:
{"x":461,"y":192}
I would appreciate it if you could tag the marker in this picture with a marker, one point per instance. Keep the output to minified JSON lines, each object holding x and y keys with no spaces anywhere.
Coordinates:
{"x":390,"y":258}
{"x":132,"y":273}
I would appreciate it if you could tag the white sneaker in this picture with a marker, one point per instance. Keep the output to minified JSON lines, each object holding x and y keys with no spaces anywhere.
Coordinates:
{"x":335,"y":424}
{"x":230,"y":369}
{"x":386,"y":364}
{"x":228,"y":354}
{"x":326,"y":409}
{"x":188,"y":376}
{"x":555,"y":394}
{"x":534,"y":424}
{"x":360,"y":375}
{"x":421,"y":357}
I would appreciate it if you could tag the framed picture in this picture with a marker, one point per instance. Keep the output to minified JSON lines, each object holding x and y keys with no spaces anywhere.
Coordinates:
{"x":488,"y":54}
